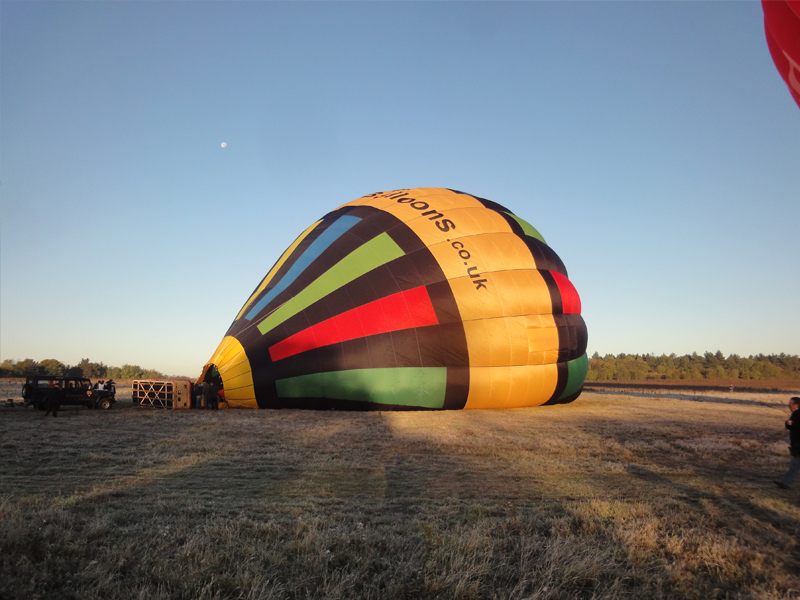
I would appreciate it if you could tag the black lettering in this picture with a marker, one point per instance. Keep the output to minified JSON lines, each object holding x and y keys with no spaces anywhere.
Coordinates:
{"x":436,"y":215}
{"x":470,"y":270}
{"x":464,"y":254}
{"x":460,"y":245}
{"x":420,"y":205}
{"x":445,"y":225}
{"x":479,"y":284}
{"x":406,"y":200}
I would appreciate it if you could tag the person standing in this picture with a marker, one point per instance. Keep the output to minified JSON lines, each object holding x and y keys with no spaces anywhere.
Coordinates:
{"x":208,"y":395}
{"x":214,"y":396}
{"x":53,"y":402}
{"x":198,"y":395}
{"x":793,"y":425}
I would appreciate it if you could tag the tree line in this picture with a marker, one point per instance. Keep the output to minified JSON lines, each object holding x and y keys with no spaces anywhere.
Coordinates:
{"x":619,"y":367}
{"x":85,"y":368}
{"x":640,"y":367}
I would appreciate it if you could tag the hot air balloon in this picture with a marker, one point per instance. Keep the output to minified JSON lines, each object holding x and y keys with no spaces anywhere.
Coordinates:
{"x":412,"y":299}
{"x":782,"y":27}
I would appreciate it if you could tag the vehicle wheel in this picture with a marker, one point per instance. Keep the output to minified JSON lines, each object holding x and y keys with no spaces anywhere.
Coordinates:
{"x":105,"y":404}
{"x":26,"y":391}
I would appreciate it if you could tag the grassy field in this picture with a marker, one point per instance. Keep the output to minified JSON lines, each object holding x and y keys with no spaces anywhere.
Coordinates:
{"x":612,"y":496}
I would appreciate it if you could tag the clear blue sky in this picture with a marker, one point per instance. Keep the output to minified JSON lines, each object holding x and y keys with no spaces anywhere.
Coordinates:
{"x":653,"y":144}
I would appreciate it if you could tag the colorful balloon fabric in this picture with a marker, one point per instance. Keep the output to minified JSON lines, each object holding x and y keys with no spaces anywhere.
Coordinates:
{"x":409,"y":300}
{"x":782,"y":26}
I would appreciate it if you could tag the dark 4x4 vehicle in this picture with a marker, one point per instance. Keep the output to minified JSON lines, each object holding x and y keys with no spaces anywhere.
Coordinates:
{"x":68,"y":390}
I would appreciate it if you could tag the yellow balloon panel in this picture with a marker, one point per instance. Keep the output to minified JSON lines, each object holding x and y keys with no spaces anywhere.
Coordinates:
{"x":487,"y":253}
{"x":508,"y":293}
{"x":511,"y":387}
{"x":511,"y":341}
{"x":467,"y":222}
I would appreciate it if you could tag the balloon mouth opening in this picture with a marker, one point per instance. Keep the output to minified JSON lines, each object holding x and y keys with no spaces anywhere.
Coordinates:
{"x":211,"y":375}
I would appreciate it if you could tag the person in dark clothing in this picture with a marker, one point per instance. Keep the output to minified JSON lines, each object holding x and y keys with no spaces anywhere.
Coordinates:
{"x":210,"y":397}
{"x":793,"y":425}
{"x":214,"y":396}
{"x":52,"y":403}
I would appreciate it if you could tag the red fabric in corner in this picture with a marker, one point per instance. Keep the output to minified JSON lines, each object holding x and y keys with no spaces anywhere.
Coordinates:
{"x":398,"y":311}
{"x":570,"y":301}
{"x":782,"y":29}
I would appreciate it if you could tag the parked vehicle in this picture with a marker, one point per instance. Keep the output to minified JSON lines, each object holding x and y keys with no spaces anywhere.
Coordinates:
{"x":68,"y":390}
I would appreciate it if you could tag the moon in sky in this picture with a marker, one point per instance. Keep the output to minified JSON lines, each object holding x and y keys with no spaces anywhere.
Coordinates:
{"x":223,"y":144}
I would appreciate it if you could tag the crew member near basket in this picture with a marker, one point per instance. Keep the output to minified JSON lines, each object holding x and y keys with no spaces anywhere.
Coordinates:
{"x":210,"y":398}
{"x":793,"y":425}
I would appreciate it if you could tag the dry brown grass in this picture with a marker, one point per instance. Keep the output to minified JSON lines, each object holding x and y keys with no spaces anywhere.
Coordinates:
{"x":608,"y":497}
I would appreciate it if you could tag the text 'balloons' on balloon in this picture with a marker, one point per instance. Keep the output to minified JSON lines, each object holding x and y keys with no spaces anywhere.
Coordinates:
{"x":412,"y":299}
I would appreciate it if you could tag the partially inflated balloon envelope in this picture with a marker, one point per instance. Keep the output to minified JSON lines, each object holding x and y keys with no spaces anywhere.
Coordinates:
{"x":782,"y":27}
{"x":413,"y":299}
